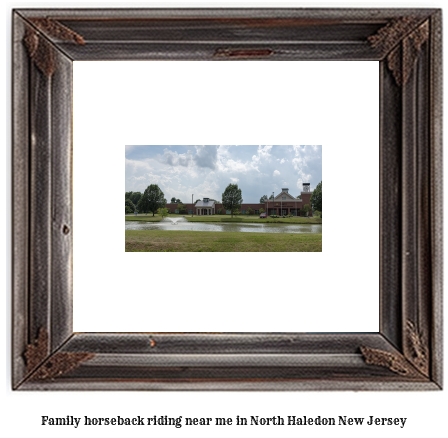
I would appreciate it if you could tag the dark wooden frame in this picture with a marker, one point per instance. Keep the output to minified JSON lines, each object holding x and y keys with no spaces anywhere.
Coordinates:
{"x":406,"y":354}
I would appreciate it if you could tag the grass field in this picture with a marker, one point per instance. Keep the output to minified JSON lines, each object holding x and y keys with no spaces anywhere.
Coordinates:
{"x":227,"y":218}
{"x":148,"y":218}
{"x":210,"y":241}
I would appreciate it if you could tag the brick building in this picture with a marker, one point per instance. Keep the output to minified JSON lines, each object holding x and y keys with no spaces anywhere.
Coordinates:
{"x":283,"y":204}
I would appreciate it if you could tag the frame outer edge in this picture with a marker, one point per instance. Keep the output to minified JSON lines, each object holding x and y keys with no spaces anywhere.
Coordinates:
{"x":252,"y":12}
{"x":20,"y":207}
{"x":39,"y":310}
{"x":436,"y":139}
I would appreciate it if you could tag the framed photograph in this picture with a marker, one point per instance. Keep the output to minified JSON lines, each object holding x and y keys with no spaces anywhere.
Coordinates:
{"x":232,"y":177}
{"x":51,"y":353}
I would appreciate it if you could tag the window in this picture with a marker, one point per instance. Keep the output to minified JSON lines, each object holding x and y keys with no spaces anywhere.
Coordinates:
{"x":257,"y":211}
{"x":283,"y":197}
{"x":227,"y":211}
{"x":190,"y":211}
{"x":243,"y":211}
{"x":176,"y":211}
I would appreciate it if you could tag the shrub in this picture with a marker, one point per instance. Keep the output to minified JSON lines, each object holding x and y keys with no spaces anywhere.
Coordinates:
{"x":163,"y":212}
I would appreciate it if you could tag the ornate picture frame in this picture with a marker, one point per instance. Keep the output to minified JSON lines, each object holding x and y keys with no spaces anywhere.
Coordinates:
{"x":406,"y":353}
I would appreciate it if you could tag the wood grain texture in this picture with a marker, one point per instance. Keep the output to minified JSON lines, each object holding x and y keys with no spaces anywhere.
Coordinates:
{"x":390,"y":211}
{"x":436,"y":195}
{"x":62,"y":201}
{"x":20,"y":207}
{"x":406,"y":354}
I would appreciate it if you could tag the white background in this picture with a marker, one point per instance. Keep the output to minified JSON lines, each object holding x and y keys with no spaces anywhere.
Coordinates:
{"x":325,"y":103}
{"x":426,"y":411}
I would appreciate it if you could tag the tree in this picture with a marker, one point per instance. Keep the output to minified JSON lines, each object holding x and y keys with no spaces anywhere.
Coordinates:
{"x":263,"y":199}
{"x":316,"y":198}
{"x":136,"y":197}
{"x":271,"y":197}
{"x":306,"y":209}
{"x":129,"y":206}
{"x":152,"y":199}
{"x":261,"y":210}
{"x":173,"y":200}
{"x":249,"y":211}
{"x":163,"y":212}
{"x":178,"y":201}
{"x":182,"y":209}
{"x":232,"y":198}
{"x":197,"y":200}
{"x":133,"y":196}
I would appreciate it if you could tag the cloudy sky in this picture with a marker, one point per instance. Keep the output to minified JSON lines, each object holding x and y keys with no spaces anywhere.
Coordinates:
{"x":205,"y":171}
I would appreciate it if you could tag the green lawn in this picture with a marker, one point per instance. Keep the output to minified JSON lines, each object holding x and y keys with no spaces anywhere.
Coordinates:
{"x":210,"y":241}
{"x":145,"y":218}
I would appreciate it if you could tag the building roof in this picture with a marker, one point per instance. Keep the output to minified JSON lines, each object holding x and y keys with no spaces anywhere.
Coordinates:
{"x":284,"y":193}
{"x":205,"y":204}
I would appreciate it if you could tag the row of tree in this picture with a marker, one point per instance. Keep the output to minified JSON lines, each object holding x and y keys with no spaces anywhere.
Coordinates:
{"x":147,"y":202}
{"x":153,"y":199}
{"x":131,"y":201}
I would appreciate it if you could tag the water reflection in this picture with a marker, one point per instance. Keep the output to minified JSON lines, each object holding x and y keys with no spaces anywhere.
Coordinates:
{"x":222,"y":226}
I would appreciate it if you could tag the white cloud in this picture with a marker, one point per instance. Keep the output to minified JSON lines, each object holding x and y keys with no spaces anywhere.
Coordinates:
{"x":172,"y":158}
{"x":206,"y":156}
{"x":234,"y":166}
{"x":176,"y":171}
{"x":299,"y":163}
{"x":134,"y":165}
{"x":263,"y":153}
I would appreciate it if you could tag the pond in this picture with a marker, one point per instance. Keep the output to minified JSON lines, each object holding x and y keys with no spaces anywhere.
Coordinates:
{"x":183,"y":225}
